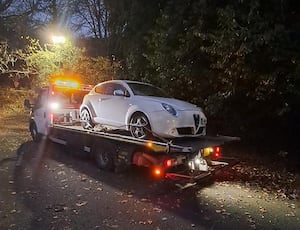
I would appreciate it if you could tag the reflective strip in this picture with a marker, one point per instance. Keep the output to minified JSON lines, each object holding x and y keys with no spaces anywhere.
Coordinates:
{"x":56,"y":140}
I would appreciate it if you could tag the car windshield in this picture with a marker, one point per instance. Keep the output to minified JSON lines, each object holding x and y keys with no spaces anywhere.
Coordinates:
{"x":146,"y":90}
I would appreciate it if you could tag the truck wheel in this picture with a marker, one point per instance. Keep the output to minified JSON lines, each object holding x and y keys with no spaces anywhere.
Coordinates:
{"x":105,"y":158}
{"x":34,"y":132}
{"x":139,"y":126}
{"x":86,"y":119}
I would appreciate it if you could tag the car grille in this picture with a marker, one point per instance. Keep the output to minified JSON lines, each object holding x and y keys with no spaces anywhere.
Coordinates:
{"x":185,"y":131}
{"x":200,"y":130}
{"x":199,"y":126}
{"x":196,"y":120}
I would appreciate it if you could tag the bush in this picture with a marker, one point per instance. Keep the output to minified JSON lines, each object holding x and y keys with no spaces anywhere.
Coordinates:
{"x":12,"y":100}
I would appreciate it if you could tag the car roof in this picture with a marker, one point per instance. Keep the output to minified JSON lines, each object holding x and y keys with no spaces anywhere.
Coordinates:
{"x":123,"y":81}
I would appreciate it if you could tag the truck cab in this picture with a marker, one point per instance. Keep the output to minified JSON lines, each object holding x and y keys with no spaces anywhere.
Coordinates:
{"x":58,"y":102}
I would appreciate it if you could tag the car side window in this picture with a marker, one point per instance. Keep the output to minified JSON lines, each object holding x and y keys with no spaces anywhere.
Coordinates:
{"x":106,"y":89}
{"x":109,"y":88}
{"x":100,"y":89}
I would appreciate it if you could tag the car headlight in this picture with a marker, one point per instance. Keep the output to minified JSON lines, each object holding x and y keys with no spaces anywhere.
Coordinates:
{"x":169,"y":108}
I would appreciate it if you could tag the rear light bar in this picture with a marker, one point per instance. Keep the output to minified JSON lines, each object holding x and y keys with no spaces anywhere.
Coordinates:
{"x":214,"y":152}
{"x":217,"y":152}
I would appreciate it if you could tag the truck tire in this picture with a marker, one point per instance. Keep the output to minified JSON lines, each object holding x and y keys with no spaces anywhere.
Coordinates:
{"x":104,"y":156}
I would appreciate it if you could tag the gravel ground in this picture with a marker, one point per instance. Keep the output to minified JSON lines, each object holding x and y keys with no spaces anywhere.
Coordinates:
{"x":55,"y":190}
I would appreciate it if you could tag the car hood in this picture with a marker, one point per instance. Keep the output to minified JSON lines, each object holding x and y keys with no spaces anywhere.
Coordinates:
{"x":175,"y":103}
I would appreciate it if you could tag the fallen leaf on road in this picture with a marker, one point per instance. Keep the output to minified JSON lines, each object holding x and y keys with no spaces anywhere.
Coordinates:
{"x":13,"y":211}
{"x":157,"y":209}
{"x":262,"y":209}
{"x":81,"y":203}
{"x":290,"y":214}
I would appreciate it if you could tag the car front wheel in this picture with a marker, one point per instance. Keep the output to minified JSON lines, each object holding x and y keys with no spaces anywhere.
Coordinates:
{"x":139,"y":126}
{"x":86,"y":119}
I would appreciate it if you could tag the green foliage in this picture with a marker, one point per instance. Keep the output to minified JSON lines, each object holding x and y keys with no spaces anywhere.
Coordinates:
{"x":39,"y":63}
{"x":52,"y":58}
{"x":237,"y":59}
{"x":240,"y":60}
{"x":12,"y":101}
{"x":94,"y":70}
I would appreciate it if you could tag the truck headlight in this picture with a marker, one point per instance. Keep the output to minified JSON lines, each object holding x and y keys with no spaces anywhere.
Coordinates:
{"x":169,"y":109}
{"x":54,"y":105}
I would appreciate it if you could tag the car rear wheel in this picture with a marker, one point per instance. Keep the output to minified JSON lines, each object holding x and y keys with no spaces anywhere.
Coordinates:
{"x":139,"y":126}
{"x":86,"y":119}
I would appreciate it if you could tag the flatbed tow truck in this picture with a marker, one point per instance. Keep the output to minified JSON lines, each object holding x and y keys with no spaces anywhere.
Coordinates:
{"x":55,"y":115}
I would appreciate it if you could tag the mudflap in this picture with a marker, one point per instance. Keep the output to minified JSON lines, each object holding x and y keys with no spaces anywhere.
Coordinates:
{"x":122,"y":161}
{"x":187,"y":178}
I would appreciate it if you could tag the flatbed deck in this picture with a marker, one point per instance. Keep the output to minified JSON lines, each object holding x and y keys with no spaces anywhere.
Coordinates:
{"x":178,"y":145}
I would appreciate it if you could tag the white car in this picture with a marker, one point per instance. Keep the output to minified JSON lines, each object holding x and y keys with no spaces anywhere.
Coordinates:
{"x":142,"y":109}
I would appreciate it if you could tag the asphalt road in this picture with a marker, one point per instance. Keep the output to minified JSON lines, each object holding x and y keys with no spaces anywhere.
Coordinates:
{"x":52,"y":189}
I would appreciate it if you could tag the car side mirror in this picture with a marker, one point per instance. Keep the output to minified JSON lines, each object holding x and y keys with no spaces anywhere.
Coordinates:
{"x":27,"y":104}
{"x":119,"y":92}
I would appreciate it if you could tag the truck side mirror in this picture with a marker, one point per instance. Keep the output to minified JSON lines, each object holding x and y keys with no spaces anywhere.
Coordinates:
{"x":27,"y":104}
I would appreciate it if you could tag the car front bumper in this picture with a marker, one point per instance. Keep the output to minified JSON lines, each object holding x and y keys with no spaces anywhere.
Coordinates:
{"x":186,"y":123}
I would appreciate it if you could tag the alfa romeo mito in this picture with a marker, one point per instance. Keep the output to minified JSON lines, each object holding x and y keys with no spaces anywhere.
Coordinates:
{"x":142,"y":109}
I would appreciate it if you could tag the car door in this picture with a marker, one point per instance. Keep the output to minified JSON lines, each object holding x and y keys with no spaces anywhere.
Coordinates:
{"x":112,"y":109}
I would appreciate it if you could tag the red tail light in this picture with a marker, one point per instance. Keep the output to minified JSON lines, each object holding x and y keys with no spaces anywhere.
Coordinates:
{"x":217,"y":152}
{"x":168,"y":163}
